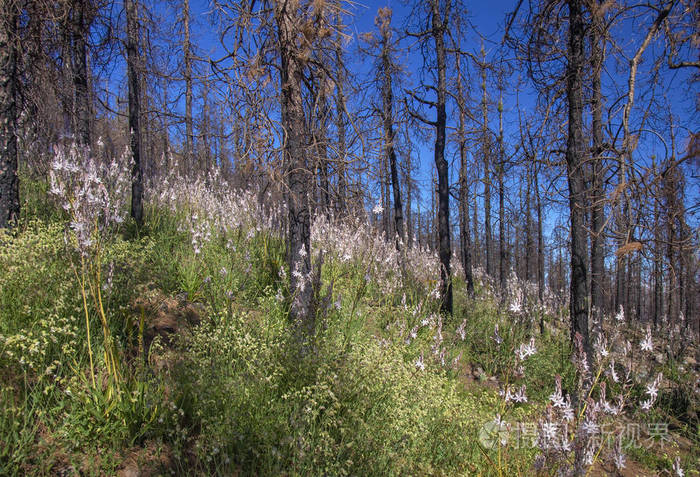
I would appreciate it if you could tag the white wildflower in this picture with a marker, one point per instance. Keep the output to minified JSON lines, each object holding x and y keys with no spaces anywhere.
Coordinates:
{"x":526,"y":350}
{"x":646,"y":344}
{"x":677,"y":468}
{"x":419,"y":362}
{"x":620,"y":317}
{"x":496,"y":337}
{"x":613,"y":374}
{"x":549,"y":430}
{"x":590,"y":427}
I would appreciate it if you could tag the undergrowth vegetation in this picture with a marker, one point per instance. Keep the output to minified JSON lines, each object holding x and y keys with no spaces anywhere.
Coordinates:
{"x":196,"y":370}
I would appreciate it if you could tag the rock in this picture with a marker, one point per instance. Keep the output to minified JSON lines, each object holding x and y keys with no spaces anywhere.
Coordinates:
{"x":165,"y":317}
{"x":129,"y":470}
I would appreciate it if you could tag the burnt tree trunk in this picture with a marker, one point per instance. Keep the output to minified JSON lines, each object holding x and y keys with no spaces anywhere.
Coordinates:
{"x":597,"y":197}
{"x":501,"y":203}
{"x":620,"y":260}
{"x":132,"y":58}
{"x":658,"y":268}
{"x":297,"y":173}
{"x":186,"y":51}
{"x":320,"y":147}
{"x":530,"y":256}
{"x":540,"y":241}
{"x":207,"y":136}
{"x":384,"y":195}
{"x":409,"y":187}
{"x":9,"y":182}
{"x":486,"y":156}
{"x":81,"y":108}
{"x":439,"y":29}
{"x":384,"y":23}
{"x":464,"y":232}
{"x":673,"y":202}
{"x":340,"y":125}
{"x":575,"y":158}
{"x":540,"y":248}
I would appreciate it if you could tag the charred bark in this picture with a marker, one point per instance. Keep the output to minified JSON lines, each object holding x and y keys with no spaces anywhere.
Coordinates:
{"x":597,"y":196}
{"x":464,"y":231}
{"x":502,"y":257}
{"x":9,"y":182}
{"x":439,"y":28}
{"x":133,"y":73}
{"x":575,"y":152}
{"x":486,"y":156}
{"x":297,"y":174}
{"x":384,"y":23}
{"x":81,"y":109}
{"x":340,"y":126}
{"x":186,"y":51}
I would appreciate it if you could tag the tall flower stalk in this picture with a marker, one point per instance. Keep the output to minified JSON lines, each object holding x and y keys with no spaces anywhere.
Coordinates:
{"x":92,"y":191}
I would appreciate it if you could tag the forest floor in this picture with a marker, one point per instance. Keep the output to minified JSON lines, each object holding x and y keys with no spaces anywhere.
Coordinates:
{"x":158,"y":354}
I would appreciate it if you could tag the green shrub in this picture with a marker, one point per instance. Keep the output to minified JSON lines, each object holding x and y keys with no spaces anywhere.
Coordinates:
{"x":260,"y":407}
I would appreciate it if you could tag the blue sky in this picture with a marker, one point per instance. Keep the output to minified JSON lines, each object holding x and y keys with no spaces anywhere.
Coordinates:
{"x":489,"y":18}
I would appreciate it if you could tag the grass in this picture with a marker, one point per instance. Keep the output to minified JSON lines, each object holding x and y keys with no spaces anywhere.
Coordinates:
{"x":212,"y":381}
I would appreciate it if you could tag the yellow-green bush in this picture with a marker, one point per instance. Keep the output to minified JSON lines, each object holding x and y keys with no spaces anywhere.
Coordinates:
{"x":344,"y":409}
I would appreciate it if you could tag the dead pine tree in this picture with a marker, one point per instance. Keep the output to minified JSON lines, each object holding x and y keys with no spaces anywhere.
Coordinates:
{"x":9,"y":181}
{"x":132,"y":59}
{"x":485,"y":140}
{"x":76,"y":20}
{"x":500,"y":169}
{"x":187,"y":57}
{"x":464,"y":230}
{"x":301,"y":30}
{"x":433,"y":23}
{"x":340,"y":120}
{"x":597,"y":35}
{"x":296,"y":167}
{"x":575,"y":157}
{"x":381,"y":47}
{"x":383,"y":21}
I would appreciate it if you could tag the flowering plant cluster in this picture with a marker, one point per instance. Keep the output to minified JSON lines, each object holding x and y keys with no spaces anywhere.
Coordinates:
{"x":208,"y":207}
{"x":355,"y":241}
{"x":567,"y":429}
{"x":92,"y":189}
{"x":212,"y":205}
